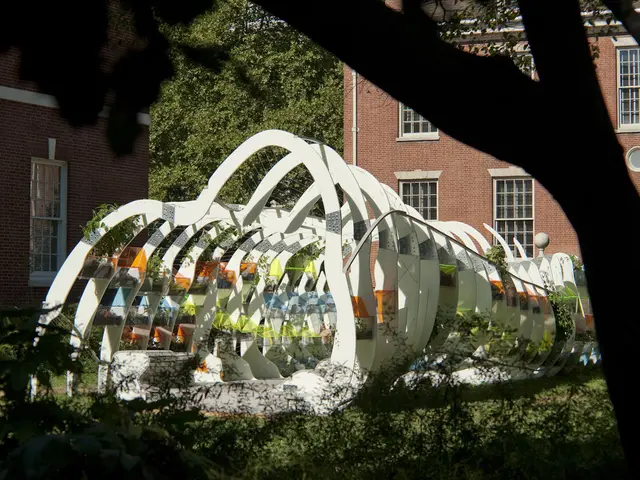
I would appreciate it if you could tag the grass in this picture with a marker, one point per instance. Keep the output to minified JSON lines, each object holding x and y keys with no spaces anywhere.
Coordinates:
{"x":548,"y":428}
{"x":544,"y":429}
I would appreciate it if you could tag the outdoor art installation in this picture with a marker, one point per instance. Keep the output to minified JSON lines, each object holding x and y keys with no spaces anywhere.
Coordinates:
{"x":311,"y":302}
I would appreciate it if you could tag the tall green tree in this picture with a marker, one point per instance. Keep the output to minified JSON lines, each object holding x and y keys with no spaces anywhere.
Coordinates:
{"x":275,"y":78}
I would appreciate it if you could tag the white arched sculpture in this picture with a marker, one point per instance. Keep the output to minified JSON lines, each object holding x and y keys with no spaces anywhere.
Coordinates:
{"x":369,"y":292}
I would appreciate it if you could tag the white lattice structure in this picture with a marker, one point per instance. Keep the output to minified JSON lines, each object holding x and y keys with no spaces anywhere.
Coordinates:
{"x":351,"y":310}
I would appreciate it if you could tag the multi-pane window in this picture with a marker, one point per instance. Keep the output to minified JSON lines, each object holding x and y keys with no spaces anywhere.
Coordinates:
{"x":423,"y":196}
{"x":514,"y":212}
{"x":412,"y":123}
{"x":47,"y":217}
{"x":629,"y":86}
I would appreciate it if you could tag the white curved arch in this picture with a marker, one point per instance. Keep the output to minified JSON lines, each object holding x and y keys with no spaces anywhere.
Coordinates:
{"x":408,"y":297}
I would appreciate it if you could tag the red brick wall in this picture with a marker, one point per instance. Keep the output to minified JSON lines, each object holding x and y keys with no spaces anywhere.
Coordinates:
{"x":465,"y":189}
{"x":95,"y":176}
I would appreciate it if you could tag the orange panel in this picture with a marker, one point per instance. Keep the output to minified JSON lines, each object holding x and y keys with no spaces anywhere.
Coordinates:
{"x":590,"y":321}
{"x":386,"y":303}
{"x":206,"y":269}
{"x":183,"y":281}
{"x":128,"y":256}
{"x":140,"y":262}
{"x":498,"y":285}
{"x":250,"y":267}
{"x":359,"y":308}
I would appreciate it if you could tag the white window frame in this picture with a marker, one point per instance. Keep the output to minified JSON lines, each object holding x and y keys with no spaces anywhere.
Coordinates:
{"x":533,"y":208}
{"x":423,"y":180}
{"x":403,"y":137}
{"x":627,"y":127}
{"x":45,"y":279}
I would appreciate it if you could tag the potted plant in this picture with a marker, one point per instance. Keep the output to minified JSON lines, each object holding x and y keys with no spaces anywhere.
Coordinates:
{"x":164,"y":315}
{"x":131,"y":265}
{"x":205,"y":273}
{"x":226,"y":278}
{"x":248,"y":271}
{"x":178,"y":285}
{"x":108,"y":315}
{"x":102,"y":261}
{"x":156,"y":277}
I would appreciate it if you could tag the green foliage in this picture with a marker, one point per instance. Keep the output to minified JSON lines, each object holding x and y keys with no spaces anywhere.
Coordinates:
{"x":154,"y":269}
{"x":277,"y":78}
{"x":561,"y":427}
{"x":306,"y":254}
{"x":89,"y":437}
{"x":498,"y":257}
{"x":116,"y":238}
{"x":564,"y":316}
{"x":577,"y":263}
{"x":551,"y":429}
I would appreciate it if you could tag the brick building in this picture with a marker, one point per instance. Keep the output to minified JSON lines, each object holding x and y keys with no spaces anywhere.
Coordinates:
{"x":53,"y":176}
{"x":447,"y":180}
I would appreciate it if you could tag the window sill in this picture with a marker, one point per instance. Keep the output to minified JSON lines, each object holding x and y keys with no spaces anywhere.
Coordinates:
{"x":42,"y":279}
{"x":428,"y":137}
{"x":628,"y":129}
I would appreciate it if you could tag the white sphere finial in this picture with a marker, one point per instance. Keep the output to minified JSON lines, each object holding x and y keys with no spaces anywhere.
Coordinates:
{"x":541,"y":241}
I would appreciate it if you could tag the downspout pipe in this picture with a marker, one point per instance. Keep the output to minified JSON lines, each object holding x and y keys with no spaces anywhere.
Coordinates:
{"x":354,"y":116}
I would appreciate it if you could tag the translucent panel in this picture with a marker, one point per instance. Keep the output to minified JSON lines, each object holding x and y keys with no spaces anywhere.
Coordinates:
{"x":415,"y":187}
{"x":415,"y":202}
{"x":433,"y":214}
{"x":405,"y":189}
{"x":54,"y":263}
{"x":528,"y":212}
{"x":424,"y":188}
{"x":433,"y":201}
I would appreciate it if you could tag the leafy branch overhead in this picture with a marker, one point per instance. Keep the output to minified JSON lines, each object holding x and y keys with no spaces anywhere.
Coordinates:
{"x":68,"y":49}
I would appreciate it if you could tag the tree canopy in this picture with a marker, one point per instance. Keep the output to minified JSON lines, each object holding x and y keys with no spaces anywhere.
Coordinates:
{"x":275,"y":78}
